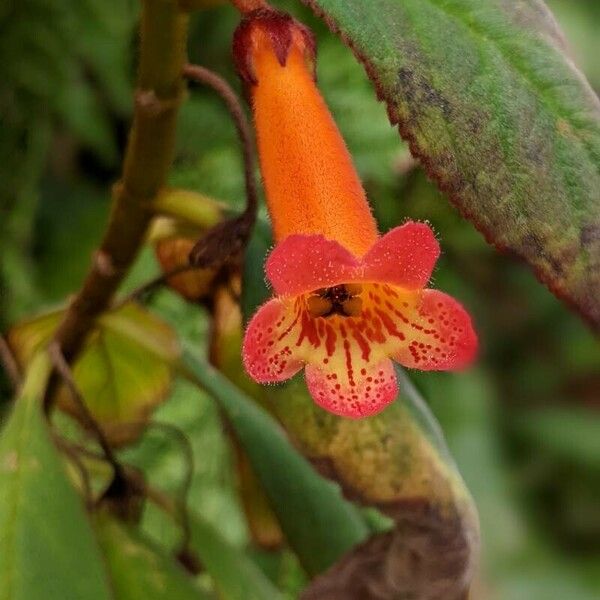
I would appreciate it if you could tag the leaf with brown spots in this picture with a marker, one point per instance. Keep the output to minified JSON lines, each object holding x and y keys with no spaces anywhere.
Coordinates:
{"x":124,"y":372}
{"x":501,"y":119}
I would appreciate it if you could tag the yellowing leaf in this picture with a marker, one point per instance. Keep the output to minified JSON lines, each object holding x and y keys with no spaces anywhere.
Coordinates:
{"x":146,"y":329}
{"x":29,"y":336}
{"x":189,"y":207}
{"x":123,"y":373}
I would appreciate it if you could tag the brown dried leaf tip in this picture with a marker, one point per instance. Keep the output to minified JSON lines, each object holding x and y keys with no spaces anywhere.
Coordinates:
{"x":224,"y":242}
{"x":281,"y":29}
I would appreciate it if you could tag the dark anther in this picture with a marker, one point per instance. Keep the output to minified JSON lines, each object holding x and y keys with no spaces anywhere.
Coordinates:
{"x":343,"y":300}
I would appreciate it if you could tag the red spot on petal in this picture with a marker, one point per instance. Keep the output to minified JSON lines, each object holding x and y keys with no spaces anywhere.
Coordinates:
{"x":355,"y":399}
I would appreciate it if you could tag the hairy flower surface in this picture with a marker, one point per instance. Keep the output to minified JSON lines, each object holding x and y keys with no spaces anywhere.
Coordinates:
{"x":347,"y":301}
{"x":343,"y":317}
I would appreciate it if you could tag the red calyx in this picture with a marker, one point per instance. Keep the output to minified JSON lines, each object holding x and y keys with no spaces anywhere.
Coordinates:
{"x":280,"y":27}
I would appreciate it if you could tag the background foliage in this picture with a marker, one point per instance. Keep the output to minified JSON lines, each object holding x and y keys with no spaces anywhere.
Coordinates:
{"x":522,"y":425}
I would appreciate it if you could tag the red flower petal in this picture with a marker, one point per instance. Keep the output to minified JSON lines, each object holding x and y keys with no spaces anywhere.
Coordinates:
{"x":405,"y":256}
{"x":269,"y":350}
{"x":303,"y":263}
{"x":353,"y":394}
{"x":439,"y":333}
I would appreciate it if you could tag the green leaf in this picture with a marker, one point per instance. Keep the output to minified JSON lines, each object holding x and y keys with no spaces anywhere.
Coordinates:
{"x":234,"y":574}
{"x":163,"y":459}
{"x":47,"y":549}
{"x":138,"y":570}
{"x":500,"y":118}
{"x":318,"y":523}
{"x":124,"y":372}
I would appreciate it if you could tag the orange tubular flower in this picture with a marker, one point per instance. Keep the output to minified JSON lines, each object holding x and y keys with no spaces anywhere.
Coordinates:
{"x":347,"y":300}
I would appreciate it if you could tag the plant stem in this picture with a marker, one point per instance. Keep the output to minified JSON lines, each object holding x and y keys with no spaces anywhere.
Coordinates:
{"x":151,"y":285}
{"x":149,"y":154}
{"x":227,"y":240}
{"x":207,"y":77}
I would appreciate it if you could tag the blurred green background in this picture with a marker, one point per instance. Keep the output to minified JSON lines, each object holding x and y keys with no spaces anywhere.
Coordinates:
{"x":524,"y":424}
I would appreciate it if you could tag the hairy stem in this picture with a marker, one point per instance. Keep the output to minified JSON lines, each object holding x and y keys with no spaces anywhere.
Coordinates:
{"x":227,"y":240}
{"x":149,"y":154}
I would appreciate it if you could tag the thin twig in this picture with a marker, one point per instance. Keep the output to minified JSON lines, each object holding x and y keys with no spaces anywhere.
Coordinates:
{"x":63,"y":369}
{"x":9,"y":362}
{"x":130,"y":484}
{"x":182,"y":501}
{"x":234,"y":106}
{"x":176,"y":508}
{"x":181,"y":504}
{"x":229,"y":237}
{"x":158,"y":281}
{"x":163,"y":501}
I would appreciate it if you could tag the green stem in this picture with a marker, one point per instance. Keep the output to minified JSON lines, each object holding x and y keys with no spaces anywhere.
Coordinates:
{"x":149,"y":154}
{"x":36,"y":377}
